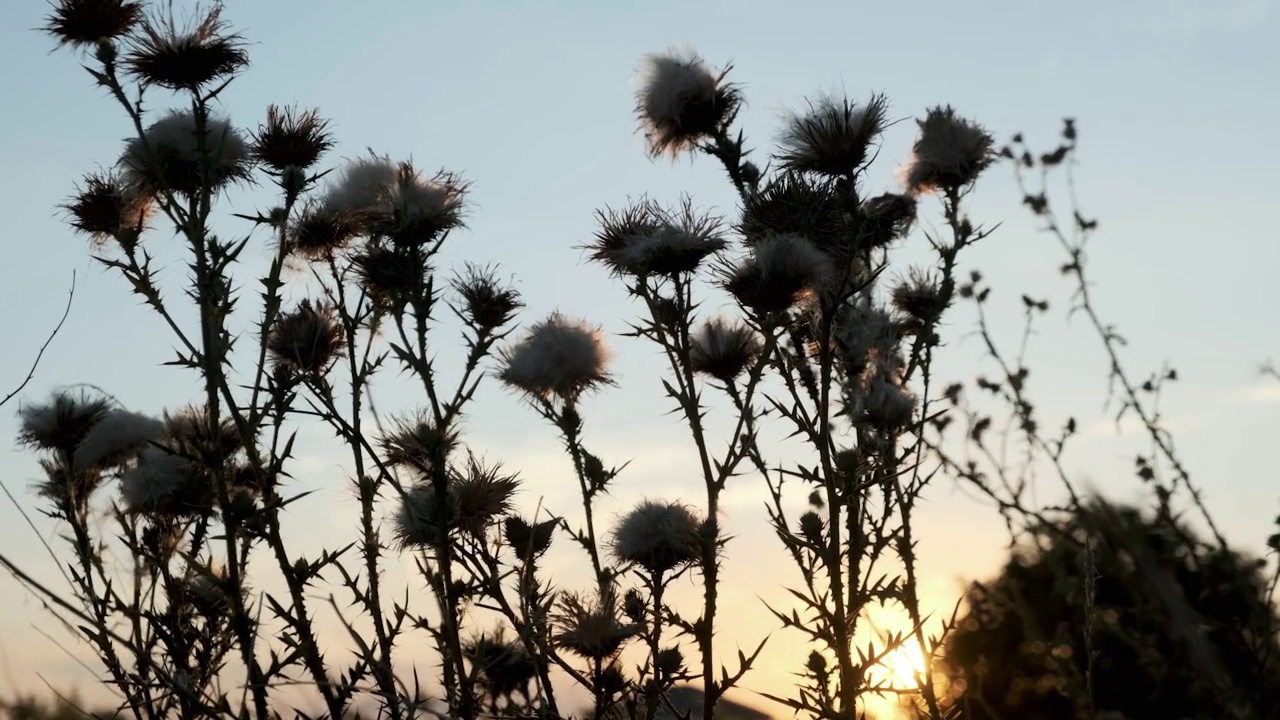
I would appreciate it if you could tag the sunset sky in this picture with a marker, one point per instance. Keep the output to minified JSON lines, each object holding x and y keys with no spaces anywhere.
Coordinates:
{"x":533,"y":103}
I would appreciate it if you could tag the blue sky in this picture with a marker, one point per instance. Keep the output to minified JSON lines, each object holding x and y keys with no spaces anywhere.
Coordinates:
{"x":532,"y":102}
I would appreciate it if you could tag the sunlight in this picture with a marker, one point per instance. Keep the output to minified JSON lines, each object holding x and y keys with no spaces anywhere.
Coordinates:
{"x":904,"y":665}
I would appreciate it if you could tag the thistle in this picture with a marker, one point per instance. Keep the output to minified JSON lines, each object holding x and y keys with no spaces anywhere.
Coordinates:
{"x":171,"y":156}
{"x":86,"y":23}
{"x":108,"y":208}
{"x":834,"y":138}
{"x":724,"y":350}
{"x":592,"y":629}
{"x":658,"y":536}
{"x":186,"y":58}
{"x":307,"y":340}
{"x":486,"y":303}
{"x":647,"y":239}
{"x":950,"y":152}
{"x":782,"y":271}
{"x":683,"y":102}
{"x":291,"y":138}
{"x":557,"y":356}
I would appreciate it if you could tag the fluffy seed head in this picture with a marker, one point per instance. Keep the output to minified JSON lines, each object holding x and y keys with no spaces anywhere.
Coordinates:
{"x":658,"y":536}
{"x":171,"y":157}
{"x":782,"y":270}
{"x":794,"y":203}
{"x":155,"y":483}
{"x":473,"y":498}
{"x":724,"y":349}
{"x":867,"y":336}
{"x":486,"y":303}
{"x":682,"y":101}
{"x":186,"y":57}
{"x":307,"y":340}
{"x":116,"y":439}
{"x":105,"y":207}
{"x":882,"y":403}
{"x":362,"y":187}
{"x":886,"y":218}
{"x":320,"y":231}
{"x":557,"y":356}
{"x":84,"y":23}
{"x":950,"y":152}
{"x":392,"y":276}
{"x":834,"y":137}
{"x":291,"y":138}
{"x":418,"y":210}
{"x":647,"y":238}
{"x":418,"y":445}
{"x":62,"y":423}
{"x":592,"y":629}
{"x":920,"y":297}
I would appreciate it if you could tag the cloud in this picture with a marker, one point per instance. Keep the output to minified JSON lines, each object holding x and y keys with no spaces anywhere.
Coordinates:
{"x":1266,"y":393}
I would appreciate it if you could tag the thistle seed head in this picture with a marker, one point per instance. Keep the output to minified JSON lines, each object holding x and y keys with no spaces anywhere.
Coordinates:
{"x":186,"y":57}
{"x":592,"y":629}
{"x":291,"y":138}
{"x":781,"y":271}
{"x":950,"y":152}
{"x":486,"y":303}
{"x":106,"y":207}
{"x":320,"y":231}
{"x":834,"y":137}
{"x":648,"y":239}
{"x":658,"y":536}
{"x":724,"y":349}
{"x":800,"y":204}
{"x":557,"y":356}
{"x":86,"y":23}
{"x":170,"y":156}
{"x":682,"y":102}
{"x":307,"y":340}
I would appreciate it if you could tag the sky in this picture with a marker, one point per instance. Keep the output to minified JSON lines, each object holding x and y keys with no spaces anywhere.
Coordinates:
{"x":533,"y":102}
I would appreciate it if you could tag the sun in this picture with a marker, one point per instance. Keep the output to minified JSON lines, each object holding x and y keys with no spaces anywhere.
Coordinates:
{"x":903,"y":666}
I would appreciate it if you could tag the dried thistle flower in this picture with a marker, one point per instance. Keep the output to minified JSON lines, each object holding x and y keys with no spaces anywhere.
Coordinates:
{"x":155,"y":483}
{"x":417,"y":444}
{"x":920,"y":297}
{"x":416,"y":210}
{"x":116,"y":439}
{"x":186,"y":58}
{"x":658,"y":536}
{"x":723,"y":349}
{"x":504,"y":666}
{"x":794,"y":203}
{"x":83,"y":23}
{"x":781,"y":271}
{"x":881,"y":403}
{"x":423,"y":519}
{"x":187,"y":432}
{"x":320,"y":231}
{"x":950,"y":152}
{"x":557,"y":356}
{"x":392,"y":277}
{"x":307,"y":340}
{"x":169,"y":156}
{"x":483,"y":494}
{"x":647,"y":238}
{"x":834,"y":137}
{"x":486,"y":303}
{"x":362,"y":187}
{"x":592,"y":630}
{"x":866,"y":335}
{"x":682,"y":101}
{"x":106,"y":208}
{"x":291,"y":138}
{"x":62,"y":423}
{"x":528,"y":540}
{"x":886,"y":218}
